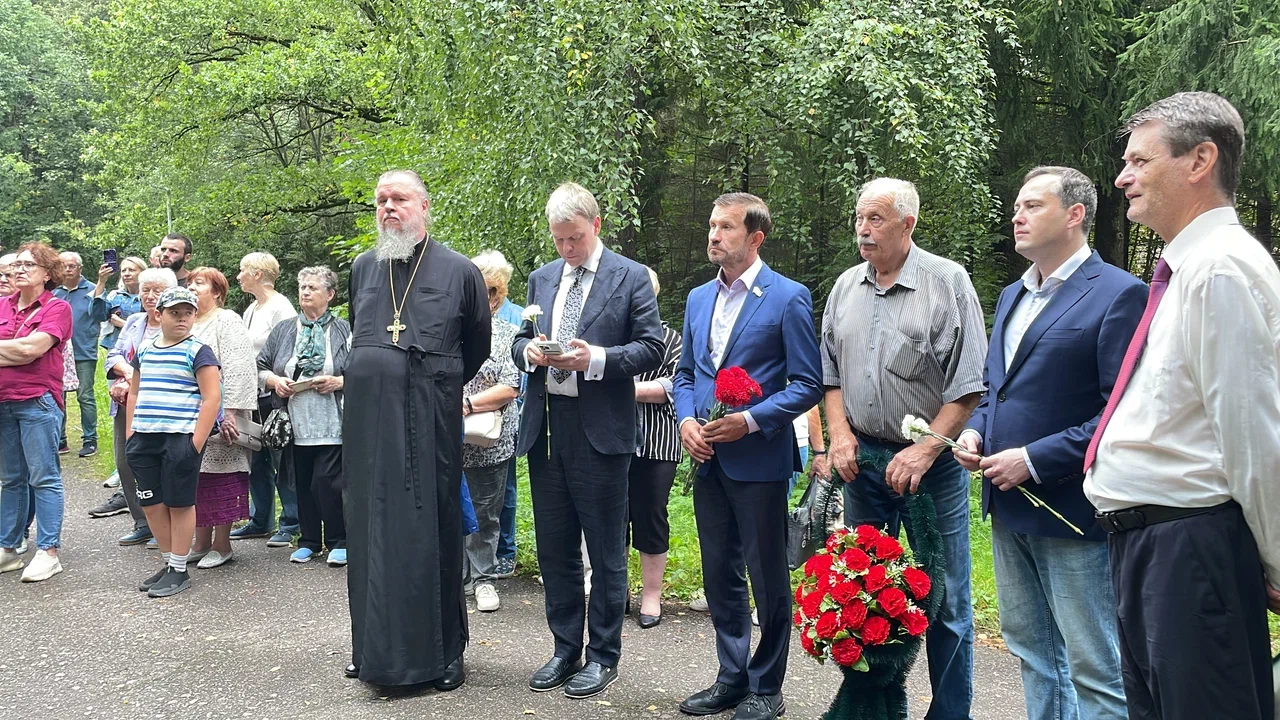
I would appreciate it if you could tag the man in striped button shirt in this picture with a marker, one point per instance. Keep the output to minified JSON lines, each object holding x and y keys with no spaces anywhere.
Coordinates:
{"x":903,"y":334}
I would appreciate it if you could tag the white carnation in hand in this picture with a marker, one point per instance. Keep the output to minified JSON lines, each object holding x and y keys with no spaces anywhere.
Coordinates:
{"x":914,"y":428}
{"x":530,"y":312}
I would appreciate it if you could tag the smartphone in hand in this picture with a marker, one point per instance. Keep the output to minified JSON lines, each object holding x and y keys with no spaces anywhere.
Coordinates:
{"x":109,"y":258}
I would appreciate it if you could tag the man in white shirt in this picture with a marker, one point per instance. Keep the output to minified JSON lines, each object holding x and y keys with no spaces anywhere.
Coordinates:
{"x":579,"y":430}
{"x":1057,"y":344}
{"x":1184,"y":467}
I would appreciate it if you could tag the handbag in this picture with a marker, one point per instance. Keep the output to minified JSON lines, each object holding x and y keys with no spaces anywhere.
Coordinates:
{"x":250,"y":435}
{"x":482,"y":429}
{"x":809,"y":523}
{"x":277,"y":429}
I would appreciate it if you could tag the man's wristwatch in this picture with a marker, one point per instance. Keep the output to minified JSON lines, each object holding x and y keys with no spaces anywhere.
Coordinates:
{"x":817,"y":452}
{"x":470,"y":409}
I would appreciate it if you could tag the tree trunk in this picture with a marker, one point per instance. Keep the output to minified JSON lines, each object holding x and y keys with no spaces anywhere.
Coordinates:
{"x":1108,"y":240}
{"x":1262,"y":225}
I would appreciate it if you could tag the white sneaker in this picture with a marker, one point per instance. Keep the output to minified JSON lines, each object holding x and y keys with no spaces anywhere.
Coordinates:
{"x":42,"y":567}
{"x":113,"y":481}
{"x":214,"y":559}
{"x":699,"y":604}
{"x":23,"y":547}
{"x":487,"y":598}
{"x":10,"y":561}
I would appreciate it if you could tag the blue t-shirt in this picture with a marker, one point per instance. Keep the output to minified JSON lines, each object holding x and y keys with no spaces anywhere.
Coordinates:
{"x":84,"y":318}
{"x":168,"y":394}
{"x":120,"y":304}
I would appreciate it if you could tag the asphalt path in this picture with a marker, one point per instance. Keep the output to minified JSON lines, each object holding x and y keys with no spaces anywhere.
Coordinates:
{"x":263,"y":638}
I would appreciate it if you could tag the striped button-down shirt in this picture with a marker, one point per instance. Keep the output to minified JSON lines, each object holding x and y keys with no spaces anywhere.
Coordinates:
{"x":907,"y":349}
{"x":661,"y":436}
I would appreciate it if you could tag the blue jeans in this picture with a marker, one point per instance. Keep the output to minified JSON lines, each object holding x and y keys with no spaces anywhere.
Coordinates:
{"x":85,"y":371}
{"x":949,"y":643}
{"x":29,"y":461}
{"x":507,"y":521}
{"x":262,"y":495}
{"x":1058,"y":615}
{"x":795,"y":477}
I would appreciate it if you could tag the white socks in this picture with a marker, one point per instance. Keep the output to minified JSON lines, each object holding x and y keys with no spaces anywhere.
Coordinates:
{"x":178,"y":562}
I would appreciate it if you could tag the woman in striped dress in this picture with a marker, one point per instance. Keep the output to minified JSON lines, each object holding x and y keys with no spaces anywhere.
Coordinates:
{"x":653,"y":470}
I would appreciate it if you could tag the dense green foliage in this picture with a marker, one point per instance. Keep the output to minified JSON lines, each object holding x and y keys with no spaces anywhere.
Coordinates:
{"x":262,"y":124}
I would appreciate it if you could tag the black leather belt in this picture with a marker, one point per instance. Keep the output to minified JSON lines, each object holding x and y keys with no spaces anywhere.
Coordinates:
{"x":1140,"y":516}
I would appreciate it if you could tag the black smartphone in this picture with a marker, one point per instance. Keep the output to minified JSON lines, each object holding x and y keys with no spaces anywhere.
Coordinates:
{"x":109,"y":258}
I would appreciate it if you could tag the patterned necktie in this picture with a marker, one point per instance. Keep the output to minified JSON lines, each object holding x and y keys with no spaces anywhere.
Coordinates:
{"x":1159,"y":283}
{"x":569,"y":322}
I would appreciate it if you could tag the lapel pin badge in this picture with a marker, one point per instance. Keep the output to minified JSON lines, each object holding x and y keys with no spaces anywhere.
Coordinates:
{"x":756,"y":291}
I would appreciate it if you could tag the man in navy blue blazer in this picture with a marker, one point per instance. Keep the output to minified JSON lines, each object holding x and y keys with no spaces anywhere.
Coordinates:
{"x":751,"y":317}
{"x":1059,"y":338}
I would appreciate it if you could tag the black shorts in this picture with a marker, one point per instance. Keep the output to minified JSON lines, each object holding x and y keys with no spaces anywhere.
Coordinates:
{"x":167,"y":467}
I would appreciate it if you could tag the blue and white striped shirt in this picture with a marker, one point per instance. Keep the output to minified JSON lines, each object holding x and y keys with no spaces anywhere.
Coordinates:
{"x":168,"y":395}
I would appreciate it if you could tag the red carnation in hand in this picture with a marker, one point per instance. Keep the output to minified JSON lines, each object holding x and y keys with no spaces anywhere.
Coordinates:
{"x":915,"y":622}
{"x":836,"y":541}
{"x":877,"y":579}
{"x":847,"y":652}
{"x":812,"y":603}
{"x":888,"y":548}
{"x":917,"y":581}
{"x":867,"y":535}
{"x":875,"y":630}
{"x":818,"y":565}
{"x":853,"y":615}
{"x":856,"y":560}
{"x":828,"y":625}
{"x":845,"y":592}
{"x":806,"y":642}
{"x":893,"y":601}
{"x":734,"y":387}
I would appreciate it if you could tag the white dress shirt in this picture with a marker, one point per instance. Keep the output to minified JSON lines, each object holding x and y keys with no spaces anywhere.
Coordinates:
{"x":595,"y":371}
{"x":1199,"y":423}
{"x":1029,"y":307}
{"x":729,"y":301}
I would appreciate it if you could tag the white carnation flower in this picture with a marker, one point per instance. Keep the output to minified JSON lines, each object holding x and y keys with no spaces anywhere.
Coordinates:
{"x":530,"y":312}
{"x":914,"y":428}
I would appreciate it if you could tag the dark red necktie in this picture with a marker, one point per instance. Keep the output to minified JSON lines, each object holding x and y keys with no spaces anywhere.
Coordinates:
{"x":1159,"y":283}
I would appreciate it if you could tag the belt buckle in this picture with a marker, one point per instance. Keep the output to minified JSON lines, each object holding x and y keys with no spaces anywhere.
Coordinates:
{"x":1122,"y":520}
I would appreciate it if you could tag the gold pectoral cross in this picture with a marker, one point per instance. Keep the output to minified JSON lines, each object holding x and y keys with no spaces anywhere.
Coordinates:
{"x":394,"y":328}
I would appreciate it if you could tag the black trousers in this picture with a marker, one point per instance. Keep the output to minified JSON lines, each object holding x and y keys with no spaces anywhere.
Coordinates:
{"x":317,"y":470}
{"x":648,"y":490}
{"x":577,"y":491}
{"x":743,"y":526}
{"x":1191,"y":600}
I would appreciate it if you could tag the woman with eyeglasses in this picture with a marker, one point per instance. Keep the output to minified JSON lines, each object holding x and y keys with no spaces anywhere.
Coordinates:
{"x":138,"y":329}
{"x":34,"y":325}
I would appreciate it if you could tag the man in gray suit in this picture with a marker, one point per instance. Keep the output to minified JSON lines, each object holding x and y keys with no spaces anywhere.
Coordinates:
{"x":580,"y":432}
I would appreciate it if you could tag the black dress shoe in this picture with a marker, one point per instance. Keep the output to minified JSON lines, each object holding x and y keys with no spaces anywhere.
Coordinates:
{"x":555,"y":673}
{"x":352,"y":672}
{"x":715,"y":699}
{"x":761,"y":707}
{"x":648,"y":621}
{"x":453,"y":677}
{"x":591,"y":680}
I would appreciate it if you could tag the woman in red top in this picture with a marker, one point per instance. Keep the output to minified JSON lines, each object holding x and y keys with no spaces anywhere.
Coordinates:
{"x":33,"y":327}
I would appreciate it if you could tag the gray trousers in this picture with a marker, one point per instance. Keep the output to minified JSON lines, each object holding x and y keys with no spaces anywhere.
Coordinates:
{"x":128,"y":483}
{"x":488,"y":487}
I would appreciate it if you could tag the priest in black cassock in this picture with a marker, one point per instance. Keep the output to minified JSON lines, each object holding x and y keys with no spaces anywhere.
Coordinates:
{"x":420,"y":330}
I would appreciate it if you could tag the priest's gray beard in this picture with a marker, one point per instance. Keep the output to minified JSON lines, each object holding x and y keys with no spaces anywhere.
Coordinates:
{"x":397,"y":244}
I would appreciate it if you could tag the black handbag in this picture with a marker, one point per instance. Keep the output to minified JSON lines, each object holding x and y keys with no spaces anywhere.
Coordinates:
{"x":277,"y":429}
{"x":809,"y":523}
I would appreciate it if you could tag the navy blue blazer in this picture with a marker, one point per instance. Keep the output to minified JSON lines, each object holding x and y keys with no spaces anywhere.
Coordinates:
{"x":1053,"y":394}
{"x":774,"y":340}
{"x":620,"y":315}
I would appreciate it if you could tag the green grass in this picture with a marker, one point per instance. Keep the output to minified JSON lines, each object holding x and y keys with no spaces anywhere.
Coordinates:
{"x":684,"y":562}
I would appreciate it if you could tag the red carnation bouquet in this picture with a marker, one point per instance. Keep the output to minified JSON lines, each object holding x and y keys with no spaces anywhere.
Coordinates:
{"x":734,"y":388}
{"x":859,"y":592}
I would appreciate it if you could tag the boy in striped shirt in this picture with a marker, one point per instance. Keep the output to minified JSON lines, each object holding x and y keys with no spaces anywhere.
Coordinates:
{"x":174,"y":399}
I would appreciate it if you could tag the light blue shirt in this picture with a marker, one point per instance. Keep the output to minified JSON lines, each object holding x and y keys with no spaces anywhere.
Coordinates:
{"x":85,"y":316}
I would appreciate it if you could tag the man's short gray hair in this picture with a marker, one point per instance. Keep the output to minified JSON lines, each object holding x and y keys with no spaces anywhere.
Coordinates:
{"x":157,"y":276}
{"x":493,"y":264}
{"x":1191,"y":118}
{"x":327,"y":276}
{"x":414,"y":179}
{"x":906,"y":201}
{"x":1074,"y":188}
{"x":571,"y":200}
{"x":69,"y":255}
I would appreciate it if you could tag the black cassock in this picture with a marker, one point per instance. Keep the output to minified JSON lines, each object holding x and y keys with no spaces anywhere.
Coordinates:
{"x":402,"y":461}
